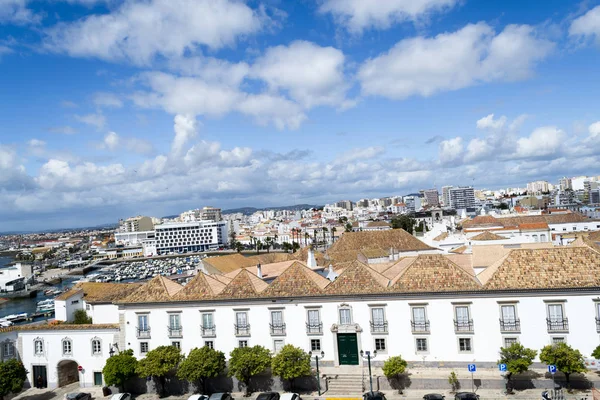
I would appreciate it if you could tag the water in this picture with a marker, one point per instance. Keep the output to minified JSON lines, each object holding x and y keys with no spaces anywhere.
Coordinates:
{"x":27,"y":305}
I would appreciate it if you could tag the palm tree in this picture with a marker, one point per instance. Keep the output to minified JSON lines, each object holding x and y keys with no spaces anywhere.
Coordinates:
{"x":239,"y":246}
{"x":295,"y":246}
{"x":268,"y":242}
{"x":333,"y":231}
{"x":315,"y":236}
{"x":259,"y":246}
{"x":325,"y":230}
{"x":275,"y":241}
{"x":306,"y":236}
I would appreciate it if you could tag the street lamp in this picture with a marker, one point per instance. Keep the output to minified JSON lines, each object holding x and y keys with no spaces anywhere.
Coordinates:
{"x":317,"y":361}
{"x":368,"y":358}
{"x":113,"y":346}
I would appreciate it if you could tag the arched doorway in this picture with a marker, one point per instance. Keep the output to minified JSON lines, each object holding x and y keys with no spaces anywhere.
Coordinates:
{"x":67,"y":372}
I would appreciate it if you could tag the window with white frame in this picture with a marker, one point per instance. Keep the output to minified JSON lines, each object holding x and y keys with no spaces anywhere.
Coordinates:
{"x":421,"y":345}
{"x":380,"y":344}
{"x":242,"y":327}
{"x":419,"y":322}
{"x":558,"y":339}
{"x":67,"y":347}
{"x":556,"y":318}
{"x":465,"y":345}
{"x":278,"y":345}
{"x":509,"y":341}
{"x":175,"y":325}
{"x":345,"y":314}
{"x":243,"y":343}
{"x":143,"y":347}
{"x":143,"y":328}
{"x":208,"y":324}
{"x":8,"y":349}
{"x":508,"y":318}
{"x":96,"y":347}
{"x":462,"y":321}
{"x":313,"y":324}
{"x":176,"y":345}
{"x":597,"y":307}
{"x":210,"y":344}
{"x":315,"y":344}
{"x":38,"y":347}
{"x":378,"y":322}
{"x":277,"y":325}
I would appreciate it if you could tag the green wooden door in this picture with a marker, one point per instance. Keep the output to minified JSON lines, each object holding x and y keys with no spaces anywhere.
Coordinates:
{"x":98,"y":378}
{"x":347,"y":348}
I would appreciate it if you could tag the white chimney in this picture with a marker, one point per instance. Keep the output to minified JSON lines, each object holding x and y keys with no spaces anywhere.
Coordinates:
{"x":258,"y":271}
{"x":311,"y":262}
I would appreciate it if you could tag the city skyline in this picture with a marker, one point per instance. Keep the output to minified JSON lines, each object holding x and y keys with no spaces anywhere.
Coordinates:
{"x":266,"y":103}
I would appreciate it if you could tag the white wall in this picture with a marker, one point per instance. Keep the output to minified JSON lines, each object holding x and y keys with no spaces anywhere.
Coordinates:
{"x":103,"y":313}
{"x":64,"y":309}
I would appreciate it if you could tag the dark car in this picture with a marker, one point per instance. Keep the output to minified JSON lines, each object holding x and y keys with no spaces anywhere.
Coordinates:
{"x":433,"y":396}
{"x":268,"y":396}
{"x":220,"y":396}
{"x":466,"y":396}
{"x":374,"y":396}
{"x":78,"y":396}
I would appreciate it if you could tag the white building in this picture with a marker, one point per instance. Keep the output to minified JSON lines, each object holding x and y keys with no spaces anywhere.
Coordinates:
{"x":190,"y":236}
{"x":133,"y":238}
{"x":538,"y":187}
{"x":15,"y":277}
{"x":462,"y":197}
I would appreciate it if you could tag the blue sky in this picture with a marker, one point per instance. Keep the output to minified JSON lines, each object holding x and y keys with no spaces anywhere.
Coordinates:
{"x":113,"y":108}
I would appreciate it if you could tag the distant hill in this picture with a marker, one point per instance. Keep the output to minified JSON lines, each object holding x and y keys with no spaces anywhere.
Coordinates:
{"x":252,"y":210}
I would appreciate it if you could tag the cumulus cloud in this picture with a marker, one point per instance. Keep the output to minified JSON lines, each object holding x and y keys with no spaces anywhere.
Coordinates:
{"x":543,"y":142}
{"x":450,"y":61}
{"x":138,"y":32}
{"x":587,"y":26}
{"x":488,"y":122}
{"x":357,"y":15}
{"x":362,"y":153}
{"x":478,"y":149}
{"x":17,"y":12}
{"x":450,"y":150}
{"x":96,"y":120}
{"x":112,"y":141}
{"x":186,"y":128}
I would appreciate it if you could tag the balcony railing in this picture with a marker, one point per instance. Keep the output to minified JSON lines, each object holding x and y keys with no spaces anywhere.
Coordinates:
{"x":379,"y":327}
{"x":463,"y":326}
{"x":277,"y":329}
{"x":143,"y":332}
{"x":242,"y":329}
{"x":558,"y":325}
{"x":175,"y":331}
{"x":314,"y":329}
{"x":420,"y":326}
{"x":598,"y":325}
{"x":510,"y":325}
{"x":208,"y":330}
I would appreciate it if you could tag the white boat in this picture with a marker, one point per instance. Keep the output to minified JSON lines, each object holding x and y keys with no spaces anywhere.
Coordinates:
{"x":5,"y":324}
{"x":12,"y":317}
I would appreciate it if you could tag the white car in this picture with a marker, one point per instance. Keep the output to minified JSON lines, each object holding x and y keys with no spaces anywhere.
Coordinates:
{"x":121,"y":396}
{"x":289,"y":396}
{"x":198,"y":397}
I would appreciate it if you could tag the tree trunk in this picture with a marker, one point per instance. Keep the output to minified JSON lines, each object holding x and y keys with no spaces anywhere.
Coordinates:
{"x":567,"y":377}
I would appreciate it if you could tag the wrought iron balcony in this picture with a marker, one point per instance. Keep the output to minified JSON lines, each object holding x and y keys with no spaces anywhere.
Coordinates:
{"x":314,"y":329}
{"x":463,"y":326}
{"x":558,"y":324}
{"x":277,"y":329}
{"x":420,"y":326}
{"x":208,"y":330}
{"x":143,"y":332}
{"x":379,"y":327}
{"x":510,"y":325}
{"x":242,"y":329}
{"x":175,"y":331}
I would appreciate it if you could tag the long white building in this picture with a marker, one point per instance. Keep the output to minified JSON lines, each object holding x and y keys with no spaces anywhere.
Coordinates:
{"x":190,"y":236}
{"x":426,"y":308}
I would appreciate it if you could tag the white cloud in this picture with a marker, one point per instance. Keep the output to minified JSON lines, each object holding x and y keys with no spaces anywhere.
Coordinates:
{"x":59,"y":174}
{"x":137,"y":32}
{"x":272,"y":109}
{"x":363,"y":153}
{"x":450,"y":150}
{"x":104,"y":99}
{"x":594,"y":130}
{"x":357,"y":15}
{"x":65,"y":130}
{"x":488,"y":122}
{"x":36,"y":143}
{"x":97,"y":120}
{"x":186,"y":128}
{"x":311,"y":74}
{"x":450,"y":61}
{"x":543,"y":142}
{"x":16,"y":12}
{"x":478,"y":149}
{"x":587,"y":26}
{"x":111,"y":140}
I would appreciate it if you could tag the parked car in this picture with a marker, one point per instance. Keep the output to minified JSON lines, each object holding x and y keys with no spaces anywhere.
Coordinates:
{"x":290,"y":396}
{"x":433,"y":396}
{"x":220,"y":396}
{"x":121,"y":396}
{"x":466,"y":396}
{"x":268,"y":396}
{"x":198,"y":397}
{"x":78,"y":396}
{"x":374,"y":396}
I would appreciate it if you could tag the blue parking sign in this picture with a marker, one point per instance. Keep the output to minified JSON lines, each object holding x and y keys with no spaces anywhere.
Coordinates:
{"x":502,"y":367}
{"x":552,"y":369}
{"x":472,"y":368}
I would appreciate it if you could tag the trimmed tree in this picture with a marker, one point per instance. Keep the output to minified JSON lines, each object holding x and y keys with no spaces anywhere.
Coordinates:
{"x":518,"y":359}
{"x":12,"y":377}
{"x":202,"y":363}
{"x":567,"y":359}
{"x":290,"y":363}
{"x":119,"y":369}
{"x":158,"y":364}
{"x":246,"y":362}
{"x":393,"y":367}
{"x":596,"y":353}
{"x":453,"y":381}
{"x":80,"y":317}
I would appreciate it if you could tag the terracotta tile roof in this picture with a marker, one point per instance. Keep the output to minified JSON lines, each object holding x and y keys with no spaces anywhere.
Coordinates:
{"x":595,"y":236}
{"x":201,"y":287}
{"x":534,"y":226}
{"x":482,"y":221}
{"x":459,"y":249}
{"x":488,"y":236}
{"x":559,"y":267}
{"x":243,"y":285}
{"x":302,"y":255}
{"x":273,"y":270}
{"x":69,"y":293}
{"x":59,"y":327}
{"x":357,"y":278}
{"x":584,"y":241}
{"x":398,"y":239}
{"x":434,"y":273}
{"x":296,"y":280}
{"x":229,"y":263}
{"x":441,"y":237}
{"x":487,"y":221}
{"x":269,"y":258}
{"x":157,"y":289}
{"x":486,"y":255}
{"x":338,"y":257}
{"x":398,"y":267}
{"x":375,"y":253}
{"x":465,"y":261}
{"x":222,"y":278}
{"x":374,"y":224}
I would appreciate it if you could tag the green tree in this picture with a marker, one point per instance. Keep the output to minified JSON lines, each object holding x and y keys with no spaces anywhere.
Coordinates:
{"x":119,"y":369}
{"x":202,"y":363}
{"x":518,"y":359}
{"x":348,"y":227}
{"x":239,"y":247}
{"x":393,"y":367}
{"x":259,"y":246}
{"x":295,"y":247}
{"x":333,"y":231}
{"x":596,"y":353}
{"x":12,"y":377}
{"x":286,"y":247}
{"x":453,"y":381}
{"x":567,"y":359}
{"x":80,"y":317}
{"x":290,"y":363}
{"x":246,"y":362}
{"x":158,"y":364}
{"x":403,"y":222}
{"x":268,"y":243}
